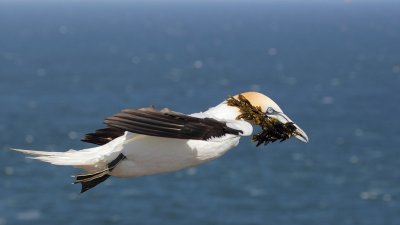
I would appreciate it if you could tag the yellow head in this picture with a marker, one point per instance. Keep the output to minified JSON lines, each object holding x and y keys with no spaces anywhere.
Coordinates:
{"x":271,"y":109}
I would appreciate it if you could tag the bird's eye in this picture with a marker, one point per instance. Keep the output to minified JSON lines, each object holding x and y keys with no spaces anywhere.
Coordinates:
{"x":270,"y":110}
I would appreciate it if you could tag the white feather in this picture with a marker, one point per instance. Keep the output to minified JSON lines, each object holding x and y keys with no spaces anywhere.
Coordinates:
{"x":147,"y":155}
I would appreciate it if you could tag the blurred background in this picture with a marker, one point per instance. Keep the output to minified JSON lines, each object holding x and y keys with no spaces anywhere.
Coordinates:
{"x":333,"y":66}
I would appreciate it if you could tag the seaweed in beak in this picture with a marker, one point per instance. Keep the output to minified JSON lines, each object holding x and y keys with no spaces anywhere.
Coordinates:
{"x":274,"y":126}
{"x":289,"y":128}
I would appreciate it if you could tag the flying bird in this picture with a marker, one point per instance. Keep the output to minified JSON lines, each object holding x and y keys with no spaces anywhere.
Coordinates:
{"x":140,"y":142}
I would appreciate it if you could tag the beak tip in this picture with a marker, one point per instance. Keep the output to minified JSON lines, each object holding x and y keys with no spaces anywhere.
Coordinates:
{"x":301,"y":135}
{"x":302,"y":138}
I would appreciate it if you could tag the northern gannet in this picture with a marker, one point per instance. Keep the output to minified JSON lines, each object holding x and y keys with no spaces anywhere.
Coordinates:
{"x":140,"y":142}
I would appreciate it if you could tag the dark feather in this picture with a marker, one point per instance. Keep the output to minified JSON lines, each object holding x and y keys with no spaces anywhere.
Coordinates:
{"x":103,"y":136}
{"x":164,"y":123}
{"x":89,"y":181}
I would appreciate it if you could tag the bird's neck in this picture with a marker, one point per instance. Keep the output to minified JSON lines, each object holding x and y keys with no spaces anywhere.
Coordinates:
{"x":223,"y":111}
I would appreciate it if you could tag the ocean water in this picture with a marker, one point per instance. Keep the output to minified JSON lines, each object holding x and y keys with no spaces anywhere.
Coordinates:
{"x":333,"y":67}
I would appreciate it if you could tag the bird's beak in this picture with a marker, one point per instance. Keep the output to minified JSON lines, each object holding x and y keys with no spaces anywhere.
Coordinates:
{"x":298,"y":133}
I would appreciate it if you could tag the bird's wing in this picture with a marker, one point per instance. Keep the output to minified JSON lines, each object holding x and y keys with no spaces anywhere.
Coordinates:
{"x":163,"y":123}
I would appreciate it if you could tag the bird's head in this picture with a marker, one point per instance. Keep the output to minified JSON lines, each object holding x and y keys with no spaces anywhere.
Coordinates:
{"x":259,"y":109}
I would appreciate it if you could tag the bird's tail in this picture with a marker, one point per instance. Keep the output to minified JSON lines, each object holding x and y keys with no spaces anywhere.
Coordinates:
{"x":84,"y":159}
{"x":98,"y":170}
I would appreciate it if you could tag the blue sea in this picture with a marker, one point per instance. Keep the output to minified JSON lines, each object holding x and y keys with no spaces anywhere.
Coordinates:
{"x":333,"y":66}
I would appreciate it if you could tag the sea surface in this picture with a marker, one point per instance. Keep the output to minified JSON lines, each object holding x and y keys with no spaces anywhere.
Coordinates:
{"x":333,"y":67}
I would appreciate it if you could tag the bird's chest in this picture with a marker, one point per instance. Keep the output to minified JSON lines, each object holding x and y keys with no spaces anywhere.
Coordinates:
{"x":208,"y":150}
{"x":164,"y":155}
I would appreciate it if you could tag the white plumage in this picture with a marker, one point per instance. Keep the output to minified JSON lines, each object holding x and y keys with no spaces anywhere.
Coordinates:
{"x":146,"y":155}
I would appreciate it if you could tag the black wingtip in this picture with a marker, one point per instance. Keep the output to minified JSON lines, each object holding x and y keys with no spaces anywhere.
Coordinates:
{"x":103,"y":136}
{"x":89,"y":181}
{"x":88,"y":184}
